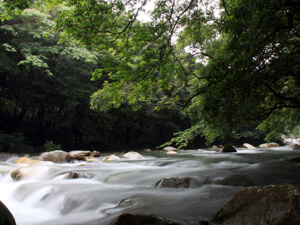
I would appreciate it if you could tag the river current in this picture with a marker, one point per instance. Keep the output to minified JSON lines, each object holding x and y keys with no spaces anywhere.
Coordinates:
{"x":105,"y":190}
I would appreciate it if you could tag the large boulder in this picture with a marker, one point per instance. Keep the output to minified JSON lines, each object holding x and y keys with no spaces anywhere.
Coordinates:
{"x":28,"y":161}
{"x":176,"y":182}
{"x":133,"y":155}
{"x":248,"y":146}
{"x":57,"y":156}
{"x":6,"y":218}
{"x":126,"y":219}
{"x":274,"y":204}
{"x":77,"y":155}
{"x":269,"y":145}
{"x":228,"y":148}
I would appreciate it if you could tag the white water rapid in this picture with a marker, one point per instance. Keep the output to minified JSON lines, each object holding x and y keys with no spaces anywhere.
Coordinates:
{"x":47,"y":197}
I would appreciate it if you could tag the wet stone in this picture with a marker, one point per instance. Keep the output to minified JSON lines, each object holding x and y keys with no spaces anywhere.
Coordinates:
{"x":177,"y":182}
{"x":75,"y":175}
{"x":126,"y":219}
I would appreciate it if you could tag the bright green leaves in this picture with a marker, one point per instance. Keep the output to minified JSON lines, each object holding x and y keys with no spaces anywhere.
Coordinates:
{"x":26,"y":40}
{"x":17,"y":4}
{"x":35,"y":61}
{"x":80,"y":54}
{"x":239,"y":69}
{"x":8,"y":47}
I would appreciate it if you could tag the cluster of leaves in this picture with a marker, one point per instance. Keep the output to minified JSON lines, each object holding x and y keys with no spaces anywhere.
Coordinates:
{"x":249,"y":71}
{"x":241,"y":68}
{"x":45,"y":90}
{"x":51,"y":146}
{"x":15,"y":142}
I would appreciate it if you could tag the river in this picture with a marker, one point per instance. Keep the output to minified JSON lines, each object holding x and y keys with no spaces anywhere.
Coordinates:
{"x":47,"y":197}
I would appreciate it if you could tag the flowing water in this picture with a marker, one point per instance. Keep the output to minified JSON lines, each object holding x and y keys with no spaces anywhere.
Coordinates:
{"x":105,"y":190}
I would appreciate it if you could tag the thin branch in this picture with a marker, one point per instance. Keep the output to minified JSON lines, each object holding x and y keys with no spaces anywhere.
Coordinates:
{"x":224,"y":5}
{"x":281,"y":96}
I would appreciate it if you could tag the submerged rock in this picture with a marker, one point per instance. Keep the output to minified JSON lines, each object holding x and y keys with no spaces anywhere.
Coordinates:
{"x":126,"y":219}
{"x":75,"y":175}
{"x":133,"y":155}
{"x":248,"y":146}
{"x":57,"y":156}
{"x":269,"y":145}
{"x":23,"y":172}
{"x":77,"y":155}
{"x":228,"y":148}
{"x":274,"y":204}
{"x":6,"y":218}
{"x":234,"y":180}
{"x":177,"y":182}
{"x":295,"y":159}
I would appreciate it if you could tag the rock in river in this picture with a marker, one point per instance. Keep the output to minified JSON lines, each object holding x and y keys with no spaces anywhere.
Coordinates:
{"x":234,"y":180}
{"x":24,"y":172}
{"x":248,"y":146}
{"x":169,"y":148}
{"x":131,"y":219}
{"x":269,"y":145}
{"x":228,"y":148}
{"x":133,"y":155}
{"x":110,"y":158}
{"x":28,"y":161}
{"x":77,"y":155}
{"x":6,"y":218}
{"x":273,"y":204}
{"x":177,"y":182}
{"x":57,"y":156}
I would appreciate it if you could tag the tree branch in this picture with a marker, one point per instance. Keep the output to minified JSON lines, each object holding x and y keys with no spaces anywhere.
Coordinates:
{"x":279,"y":96}
{"x":224,"y":5}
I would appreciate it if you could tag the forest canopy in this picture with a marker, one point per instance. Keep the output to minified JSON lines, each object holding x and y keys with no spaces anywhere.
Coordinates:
{"x":227,"y":65}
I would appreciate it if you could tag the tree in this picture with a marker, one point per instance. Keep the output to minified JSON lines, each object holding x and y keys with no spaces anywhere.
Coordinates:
{"x":260,"y":78}
{"x":242,"y":68}
{"x":45,"y":87}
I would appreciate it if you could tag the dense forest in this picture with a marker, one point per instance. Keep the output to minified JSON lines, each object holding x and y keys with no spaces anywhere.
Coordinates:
{"x":113,"y":75}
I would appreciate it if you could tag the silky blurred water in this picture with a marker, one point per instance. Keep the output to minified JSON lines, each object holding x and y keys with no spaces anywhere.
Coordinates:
{"x":105,"y":190}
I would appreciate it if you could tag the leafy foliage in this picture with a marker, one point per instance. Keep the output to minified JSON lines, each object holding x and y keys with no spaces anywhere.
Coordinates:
{"x":15,"y":142}
{"x":227,"y":73}
{"x":51,"y":146}
{"x":247,"y":69}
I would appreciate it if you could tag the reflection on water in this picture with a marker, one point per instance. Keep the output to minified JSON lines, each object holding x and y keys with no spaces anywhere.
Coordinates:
{"x":101,"y":191}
